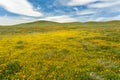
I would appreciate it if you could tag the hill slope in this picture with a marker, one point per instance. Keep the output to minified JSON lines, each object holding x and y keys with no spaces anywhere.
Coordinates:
{"x":66,"y":52}
{"x":45,"y":26}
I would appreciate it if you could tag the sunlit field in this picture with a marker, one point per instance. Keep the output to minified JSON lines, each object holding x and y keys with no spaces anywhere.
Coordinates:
{"x":52,"y":51}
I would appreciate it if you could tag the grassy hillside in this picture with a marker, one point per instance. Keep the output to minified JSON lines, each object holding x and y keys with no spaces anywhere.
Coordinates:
{"x":45,"y":26}
{"x":55,"y":51}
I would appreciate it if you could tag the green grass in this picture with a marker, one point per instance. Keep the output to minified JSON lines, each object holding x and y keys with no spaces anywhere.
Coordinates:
{"x":45,"y":26}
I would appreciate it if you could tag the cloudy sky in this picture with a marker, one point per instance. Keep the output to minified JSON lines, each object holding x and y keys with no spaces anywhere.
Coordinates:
{"x":21,"y":11}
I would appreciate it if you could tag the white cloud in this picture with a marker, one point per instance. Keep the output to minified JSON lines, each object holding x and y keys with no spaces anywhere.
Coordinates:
{"x":104,"y":4}
{"x":5,"y":20}
{"x":91,"y":4}
{"x":108,"y":18}
{"x":80,"y":2}
{"x":22,"y":7}
{"x":60,"y":19}
{"x":99,"y":19}
{"x":85,"y":12}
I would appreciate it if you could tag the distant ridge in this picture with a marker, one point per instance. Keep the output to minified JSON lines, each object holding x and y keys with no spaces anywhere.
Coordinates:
{"x":51,"y":23}
{"x":42,"y":22}
{"x":45,"y":26}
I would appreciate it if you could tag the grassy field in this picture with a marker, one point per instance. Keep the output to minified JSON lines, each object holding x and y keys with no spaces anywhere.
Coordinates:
{"x":55,"y":51}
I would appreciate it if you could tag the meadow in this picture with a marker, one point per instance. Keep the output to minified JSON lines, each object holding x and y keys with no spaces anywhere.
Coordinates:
{"x":60,"y":51}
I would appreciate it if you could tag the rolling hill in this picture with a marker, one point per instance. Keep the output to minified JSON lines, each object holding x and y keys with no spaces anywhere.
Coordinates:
{"x":46,"y":50}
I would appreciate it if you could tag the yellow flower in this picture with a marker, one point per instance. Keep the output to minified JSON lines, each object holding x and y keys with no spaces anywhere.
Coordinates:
{"x":1,"y":71}
{"x":119,"y":71}
{"x":23,"y":76}
{"x":107,"y":70}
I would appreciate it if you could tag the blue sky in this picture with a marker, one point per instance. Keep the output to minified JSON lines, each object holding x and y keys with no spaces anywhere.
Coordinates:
{"x":21,"y":11}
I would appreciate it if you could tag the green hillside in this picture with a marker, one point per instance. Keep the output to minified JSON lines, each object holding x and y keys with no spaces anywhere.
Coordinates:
{"x":44,"y":26}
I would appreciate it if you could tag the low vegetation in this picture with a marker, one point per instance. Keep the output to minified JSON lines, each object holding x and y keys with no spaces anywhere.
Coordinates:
{"x":71,"y":51}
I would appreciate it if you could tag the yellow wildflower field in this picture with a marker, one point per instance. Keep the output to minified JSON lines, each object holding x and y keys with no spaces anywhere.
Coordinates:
{"x":60,"y":55}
